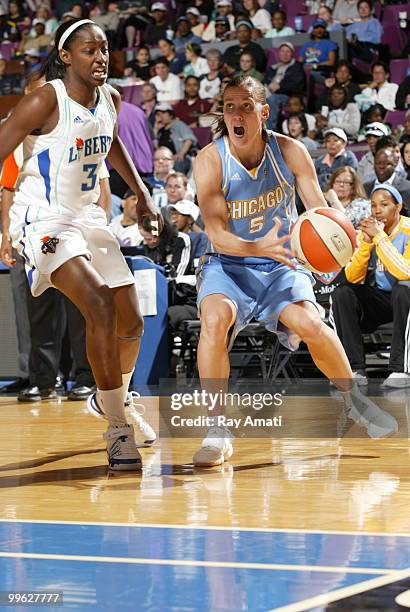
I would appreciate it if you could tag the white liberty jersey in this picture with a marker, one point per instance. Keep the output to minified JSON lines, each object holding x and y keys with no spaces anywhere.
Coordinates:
{"x":60,"y":172}
{"x":255,"y":197}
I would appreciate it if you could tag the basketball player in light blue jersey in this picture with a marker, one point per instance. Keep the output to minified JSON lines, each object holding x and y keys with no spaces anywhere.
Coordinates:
{"x":246,"y":183}
{"x":67,"y":128}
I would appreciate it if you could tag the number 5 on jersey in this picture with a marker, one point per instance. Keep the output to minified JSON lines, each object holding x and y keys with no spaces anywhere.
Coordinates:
{"x":256,"y":224}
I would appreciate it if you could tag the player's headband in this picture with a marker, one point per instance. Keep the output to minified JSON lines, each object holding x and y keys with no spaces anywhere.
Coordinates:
{"x":71,"y":29}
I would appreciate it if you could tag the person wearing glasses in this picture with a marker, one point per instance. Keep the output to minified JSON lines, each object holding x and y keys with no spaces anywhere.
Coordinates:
{"x":346,"y":193}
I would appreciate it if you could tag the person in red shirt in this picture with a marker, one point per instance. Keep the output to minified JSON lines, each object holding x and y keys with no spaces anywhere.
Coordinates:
{"x":191,"y":107}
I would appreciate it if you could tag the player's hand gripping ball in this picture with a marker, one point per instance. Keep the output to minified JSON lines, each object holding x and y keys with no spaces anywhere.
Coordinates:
{"x":323,"y":240}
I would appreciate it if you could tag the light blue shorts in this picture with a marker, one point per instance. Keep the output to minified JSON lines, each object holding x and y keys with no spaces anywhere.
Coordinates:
{"x":259,"y":292}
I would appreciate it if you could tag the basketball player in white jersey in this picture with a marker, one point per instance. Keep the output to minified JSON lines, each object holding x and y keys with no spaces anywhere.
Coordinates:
{"x":67,"y":128}
{"x":248,"y":271}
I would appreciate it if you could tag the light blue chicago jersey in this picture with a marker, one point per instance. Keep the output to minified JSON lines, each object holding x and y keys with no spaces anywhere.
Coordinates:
{"x":255,"y":197}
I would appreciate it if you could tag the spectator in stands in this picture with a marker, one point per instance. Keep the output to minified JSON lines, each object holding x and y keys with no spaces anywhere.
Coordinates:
{"x":157,"y":30}
{"x":17,"y":15}
{"x":210,"y":85}
{"x":51,"y":24}
{"x":224,"y":9}
{"x":364,"y":35}
{"x":260,"y":17}
{"x":326,"y":13}
{"x":39,"y":41}
{"x":140,"y":67}
{"x":346,"y":193}
{"x":107,"y":16}
{"x":374,"y":294}
{"x":380,"y":90}
{"x":343,"y":77}
{"x":8,"y":29}
{"x":247,"y":66}
{"x":298,"y":129}
{"x":346,"y":11}
{"x":336,"y":156}
{"x":233,"y":53}
{"x":9,"y":83}
{"x":176,"y":62}
{"x":405,"y":153}
{"x":163,"y":167}
{"x":340,"y":113}
{"x":373,"y":132}
{"x":279,"y":25}
{"x":197,"y":66}
{"x":391,"y":142}
{"x":184,"y":34}
{"x":406,"y":128}
{"x":221,"y":29}
{"x":136,"y":20}
{"x":149,"y":101}
{"x":319,"y":54}
{"x":191,"y":107}
{"x":194,"y":15}
{"x":385,"y":163}
{"x":184,"y":215}
{"x":171,"y":249}
{"x":174,"y":134}
{"x":168,"y":85}
{"x":296,"y":104}
{"x":32,"y":61}
{"x":125,"y":226}
{"x":62,"y":6}
{"x":178,"y":188}
{"x":283,"y":79}
{"x":403,"y":94}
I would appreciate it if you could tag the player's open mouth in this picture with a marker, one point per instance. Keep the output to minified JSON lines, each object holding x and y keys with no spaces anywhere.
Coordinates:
{"x":239,"y":130}
{"x":99,"y":74}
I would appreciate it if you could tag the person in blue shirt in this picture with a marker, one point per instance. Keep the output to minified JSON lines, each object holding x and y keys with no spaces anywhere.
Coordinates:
{"x":364,"y":36}
{"x":336,"y":156}
{"x":248,"y":272}
{"x":319,"y":53}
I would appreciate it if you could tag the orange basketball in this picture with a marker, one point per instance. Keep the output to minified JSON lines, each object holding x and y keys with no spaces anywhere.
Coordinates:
{"x":323,"y":240}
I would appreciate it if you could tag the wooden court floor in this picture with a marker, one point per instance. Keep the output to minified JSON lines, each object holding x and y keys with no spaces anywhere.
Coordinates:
{"x":288,"y":494}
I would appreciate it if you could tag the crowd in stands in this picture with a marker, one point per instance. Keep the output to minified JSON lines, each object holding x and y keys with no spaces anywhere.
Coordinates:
{"x":349,"y":105}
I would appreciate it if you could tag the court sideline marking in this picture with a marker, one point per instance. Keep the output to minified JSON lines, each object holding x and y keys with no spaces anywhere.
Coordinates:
{"x":193,"y":562}
{"x":205,"y":527}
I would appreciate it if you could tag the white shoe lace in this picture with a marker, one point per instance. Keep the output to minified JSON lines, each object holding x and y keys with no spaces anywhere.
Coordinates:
{"x":139,"y":409}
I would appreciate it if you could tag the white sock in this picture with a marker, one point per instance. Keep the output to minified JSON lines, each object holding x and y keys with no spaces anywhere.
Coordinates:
{"x":126,"y":379}
{"x":112,"y":402}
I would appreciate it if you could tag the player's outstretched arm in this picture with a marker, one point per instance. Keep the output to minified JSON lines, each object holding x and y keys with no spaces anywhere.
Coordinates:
{"x":36,"y":111}
{"x":211,"y":200}
{"x":121,"y":161}
{"x":301,"y":165}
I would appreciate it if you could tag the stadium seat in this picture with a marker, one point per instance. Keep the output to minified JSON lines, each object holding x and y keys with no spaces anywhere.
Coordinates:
{"x":395,"y":118}
{"x":395,"y":38}
{"x":398,"y":70}
{"x":203,"y":136}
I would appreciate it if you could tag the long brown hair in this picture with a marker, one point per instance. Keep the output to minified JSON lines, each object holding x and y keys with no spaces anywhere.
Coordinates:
{"x":358,"y":189}
{"x":253,"y":86}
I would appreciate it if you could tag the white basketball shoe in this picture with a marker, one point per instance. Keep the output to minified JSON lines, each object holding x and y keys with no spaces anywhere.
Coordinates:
{"x":122,"y":451}
{"x":143,"y":432}
{"x":215,"y":449}
{"x":366,"y":413}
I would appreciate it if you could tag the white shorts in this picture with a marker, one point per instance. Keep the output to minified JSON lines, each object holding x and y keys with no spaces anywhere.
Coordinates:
{"x":47,"y":242}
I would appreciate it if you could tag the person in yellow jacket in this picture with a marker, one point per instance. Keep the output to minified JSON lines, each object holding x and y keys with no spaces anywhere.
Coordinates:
{"x":378,"y":287}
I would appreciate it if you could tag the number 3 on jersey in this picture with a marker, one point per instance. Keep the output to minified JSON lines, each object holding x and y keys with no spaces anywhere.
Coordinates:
{"x":91,"y":178}
{"x":256,"y":224}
